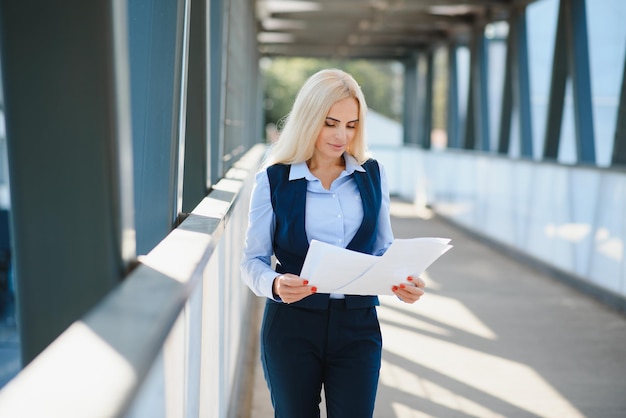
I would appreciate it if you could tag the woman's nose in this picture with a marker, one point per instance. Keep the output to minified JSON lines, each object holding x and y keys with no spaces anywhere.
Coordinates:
{"x":341,"y":132}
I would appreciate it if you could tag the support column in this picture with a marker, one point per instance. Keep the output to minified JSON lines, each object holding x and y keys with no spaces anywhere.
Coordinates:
{"x":557,"y":89}
{"x":619,"y":145}
{"x":427,"y":125}
{"x":571,"y":57}
{"x":578,"y":47}
{"x":477,"y":125}
{"x":522,"y":85}
{"x":70,"y":154}
{"x":506,"y":113}
{"x":516,"y":91}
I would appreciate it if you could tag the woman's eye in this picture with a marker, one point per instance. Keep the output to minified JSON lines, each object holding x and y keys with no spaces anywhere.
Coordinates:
{"x":332,"y":124}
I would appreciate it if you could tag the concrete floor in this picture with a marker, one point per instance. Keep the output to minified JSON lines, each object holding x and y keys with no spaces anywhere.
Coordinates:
{"x":491,"y":338}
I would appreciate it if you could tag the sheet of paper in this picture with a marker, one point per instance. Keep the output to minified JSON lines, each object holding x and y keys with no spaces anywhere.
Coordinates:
{"x":338,"y":270}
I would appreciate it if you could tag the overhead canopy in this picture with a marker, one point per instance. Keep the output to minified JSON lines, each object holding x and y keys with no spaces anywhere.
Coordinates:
{"x":379,"y":29}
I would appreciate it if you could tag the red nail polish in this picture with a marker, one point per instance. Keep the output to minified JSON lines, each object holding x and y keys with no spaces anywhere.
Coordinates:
{"x":402,"y":286}
{"x":306,"y":282}
{"x":314,"y":289}
{"x":410,"y":278}
{"x":394,"y":288}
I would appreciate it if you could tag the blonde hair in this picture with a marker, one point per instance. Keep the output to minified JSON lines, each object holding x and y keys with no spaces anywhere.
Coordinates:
{"x":296,"y":142}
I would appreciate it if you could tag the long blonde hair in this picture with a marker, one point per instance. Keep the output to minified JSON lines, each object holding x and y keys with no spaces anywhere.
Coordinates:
{"x":296,"y":142}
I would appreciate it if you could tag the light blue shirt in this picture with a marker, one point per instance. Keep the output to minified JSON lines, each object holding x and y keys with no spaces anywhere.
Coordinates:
{"x":332,"y":216}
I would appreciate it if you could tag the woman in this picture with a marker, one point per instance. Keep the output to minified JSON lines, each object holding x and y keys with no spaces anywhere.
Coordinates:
{"x":319,"y":184}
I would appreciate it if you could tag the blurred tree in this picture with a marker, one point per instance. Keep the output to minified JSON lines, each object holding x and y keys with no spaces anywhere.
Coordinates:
{"x":381,"y":82}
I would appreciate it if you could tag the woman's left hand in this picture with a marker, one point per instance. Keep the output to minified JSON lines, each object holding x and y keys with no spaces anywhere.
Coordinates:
{"x":410,"y":292}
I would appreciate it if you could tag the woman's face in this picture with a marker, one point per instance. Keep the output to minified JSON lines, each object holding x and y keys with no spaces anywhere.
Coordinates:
{"x":338,"y":130}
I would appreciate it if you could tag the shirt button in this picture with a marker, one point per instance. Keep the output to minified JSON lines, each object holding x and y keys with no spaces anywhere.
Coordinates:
{"x":334,"y":195}
{"x":338,"y":216}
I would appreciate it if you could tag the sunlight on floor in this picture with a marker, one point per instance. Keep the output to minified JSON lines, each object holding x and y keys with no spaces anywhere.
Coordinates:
{"x":409,"y":210}
{"x":403,"y":380}
{"x":441,"y":309}
{"x":403,"y":411}
{"x":423,"y":337}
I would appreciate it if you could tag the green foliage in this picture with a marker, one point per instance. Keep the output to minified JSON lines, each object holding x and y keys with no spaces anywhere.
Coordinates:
{"x":381,"y":82}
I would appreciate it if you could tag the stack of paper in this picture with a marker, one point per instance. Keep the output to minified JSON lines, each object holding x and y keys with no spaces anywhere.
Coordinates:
{"x":337,"y":270}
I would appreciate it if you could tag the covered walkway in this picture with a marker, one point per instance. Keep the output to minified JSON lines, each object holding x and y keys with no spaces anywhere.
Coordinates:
{"x":493,"y":337}
{"x":130,"y":134}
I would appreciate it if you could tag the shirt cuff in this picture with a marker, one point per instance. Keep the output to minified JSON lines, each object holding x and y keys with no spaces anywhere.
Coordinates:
{"x":268,"y":285}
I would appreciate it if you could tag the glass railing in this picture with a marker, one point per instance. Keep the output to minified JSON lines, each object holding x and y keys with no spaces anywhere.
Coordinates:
{"x":568,"y":219}
{"x":168,"y":340}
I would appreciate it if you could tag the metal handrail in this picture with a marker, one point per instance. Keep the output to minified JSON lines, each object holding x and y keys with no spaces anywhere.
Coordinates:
{"x":100,"y":363}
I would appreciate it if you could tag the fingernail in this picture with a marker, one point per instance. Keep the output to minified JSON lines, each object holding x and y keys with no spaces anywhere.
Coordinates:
{"x":394,"y":288}
{"x":306,"y":282}
{"x":402,"y":286}
{"x":410,"y":278}
{"x":314,"y":289}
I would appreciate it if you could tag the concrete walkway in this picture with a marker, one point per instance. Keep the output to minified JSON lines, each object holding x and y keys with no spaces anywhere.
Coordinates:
{"x":491,"y":338}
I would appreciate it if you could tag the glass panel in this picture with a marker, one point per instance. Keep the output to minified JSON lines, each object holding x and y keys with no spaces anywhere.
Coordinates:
{"x":541,"y":22}
{"x":463,"y":75}
{"x":439,"y":138}
{"x":496,"y":34}
{"x":514,"y":145}
{"x":9,"y":341}
{"x":241,"y":96}
{"x":422,"y":86}
{"x":567,"y":144}
{"x":607,"y":45}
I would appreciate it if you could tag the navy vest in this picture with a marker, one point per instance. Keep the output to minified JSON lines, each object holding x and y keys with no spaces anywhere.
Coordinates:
{"x":290,"y":240}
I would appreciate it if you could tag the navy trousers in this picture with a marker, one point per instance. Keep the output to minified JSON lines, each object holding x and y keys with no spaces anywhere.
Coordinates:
{"x":303,"y":349}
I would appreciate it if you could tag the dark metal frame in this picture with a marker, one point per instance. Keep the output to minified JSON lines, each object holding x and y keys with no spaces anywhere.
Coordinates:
{"x":516,"y":91}
{"x":571,"y":58}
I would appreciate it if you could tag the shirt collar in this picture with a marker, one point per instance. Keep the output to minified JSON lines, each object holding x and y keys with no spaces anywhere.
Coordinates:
{"x":301,"y":170}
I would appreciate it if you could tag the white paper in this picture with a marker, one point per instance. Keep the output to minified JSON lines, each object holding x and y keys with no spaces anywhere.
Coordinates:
{"x":338,"y":270}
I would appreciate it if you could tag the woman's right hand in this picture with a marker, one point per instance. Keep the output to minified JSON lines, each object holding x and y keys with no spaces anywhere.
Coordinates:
{"x":291,"y":288}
